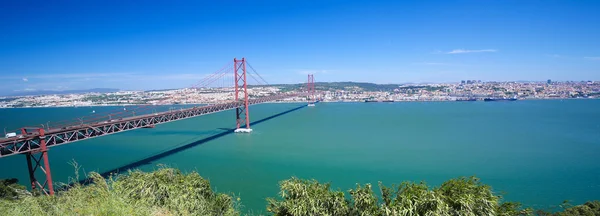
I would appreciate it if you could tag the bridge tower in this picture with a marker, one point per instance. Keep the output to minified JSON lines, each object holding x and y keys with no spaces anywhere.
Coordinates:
{"x":242,"y":115}
{"x":39,"y":162}
{"x":310,"y":88}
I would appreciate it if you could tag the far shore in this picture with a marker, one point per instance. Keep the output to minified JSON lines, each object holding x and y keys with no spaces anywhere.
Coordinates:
{"x":276,"y":102}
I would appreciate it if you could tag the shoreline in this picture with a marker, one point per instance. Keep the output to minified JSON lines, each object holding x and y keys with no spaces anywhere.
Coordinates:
{"x":278,"y":102}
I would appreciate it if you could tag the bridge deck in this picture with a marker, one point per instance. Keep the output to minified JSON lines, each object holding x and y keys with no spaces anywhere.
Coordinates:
{"x":58,"y":136}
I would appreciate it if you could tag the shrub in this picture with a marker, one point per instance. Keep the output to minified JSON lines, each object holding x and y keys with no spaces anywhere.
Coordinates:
{"x":303,"y":197}
{"x":165,"y":191}
{"x":461,"y":196}
{"x":11,"y":189}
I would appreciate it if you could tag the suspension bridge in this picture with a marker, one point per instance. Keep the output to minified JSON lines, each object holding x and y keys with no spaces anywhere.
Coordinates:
{"x":34,"y":142}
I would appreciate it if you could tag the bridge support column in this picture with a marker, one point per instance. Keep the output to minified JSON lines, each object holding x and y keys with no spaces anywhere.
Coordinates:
{"x":242,"y":114}
{"x":40,"y":161}
{"x":310,"y":87}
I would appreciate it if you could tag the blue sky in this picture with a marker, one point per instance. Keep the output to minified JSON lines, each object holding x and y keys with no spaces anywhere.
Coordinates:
{"x":169,"y":44}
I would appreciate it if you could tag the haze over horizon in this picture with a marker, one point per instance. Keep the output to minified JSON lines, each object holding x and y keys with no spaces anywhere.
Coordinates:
{"x":142,"y":46}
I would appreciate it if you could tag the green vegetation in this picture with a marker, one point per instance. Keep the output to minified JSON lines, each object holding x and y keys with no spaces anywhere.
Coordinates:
{"x":357,"y":86}
{"x":361,"y":87}
{"x":167,"y":191}
{"x":499,"y":89}
{"x":591,"y":208}
{"x":346,"y":86}
{"x":462,"y":196}
{"x":10,"y":189}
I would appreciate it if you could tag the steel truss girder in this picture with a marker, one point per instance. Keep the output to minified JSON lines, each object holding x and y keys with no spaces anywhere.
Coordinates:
{"x":56,"y":137}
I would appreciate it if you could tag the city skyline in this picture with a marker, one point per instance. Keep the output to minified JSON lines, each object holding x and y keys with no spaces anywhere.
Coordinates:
{"x":469,"y":90}
{"x":82,"y":45}
{"x":37,"y":92}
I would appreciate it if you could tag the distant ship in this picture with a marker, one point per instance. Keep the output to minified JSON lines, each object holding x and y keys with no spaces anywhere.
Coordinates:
{"x":466,"y":99}
{"x":370,"y":101}
{"x":499,"y":99}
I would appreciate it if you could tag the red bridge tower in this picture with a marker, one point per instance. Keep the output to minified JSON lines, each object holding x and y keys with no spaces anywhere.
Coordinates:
{"x":241,"y":87}
{"x":310,"y":88}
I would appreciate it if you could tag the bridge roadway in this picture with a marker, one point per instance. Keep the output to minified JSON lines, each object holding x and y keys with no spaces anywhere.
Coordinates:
{"x":31,"y":142}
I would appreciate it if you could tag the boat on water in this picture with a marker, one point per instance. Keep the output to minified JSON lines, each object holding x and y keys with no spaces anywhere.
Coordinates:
{"x":499,"y":99}
{"x":371,"y":101}
{"x":466,"y":99}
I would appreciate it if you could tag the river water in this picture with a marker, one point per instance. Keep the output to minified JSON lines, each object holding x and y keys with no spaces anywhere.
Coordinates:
{"x":535,"y":152}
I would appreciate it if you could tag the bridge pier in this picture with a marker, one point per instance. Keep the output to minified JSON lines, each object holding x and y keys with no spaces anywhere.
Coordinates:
{"x":40,"y":162}
{"x":242,"y":113}
{"x":310,"y":88}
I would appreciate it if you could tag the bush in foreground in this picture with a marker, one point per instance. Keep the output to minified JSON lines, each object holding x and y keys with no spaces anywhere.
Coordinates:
{"x":591,"y":208}
{"x":462,"y":196}
{"x":10,"y":189}
{"x":165,"y":191}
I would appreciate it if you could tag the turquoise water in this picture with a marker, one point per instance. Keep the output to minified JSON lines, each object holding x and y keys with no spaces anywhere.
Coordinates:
{"x":536,"y":152}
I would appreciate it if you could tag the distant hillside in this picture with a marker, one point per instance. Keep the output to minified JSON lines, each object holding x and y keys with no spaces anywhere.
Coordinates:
{"x":50,"y":92}
{"x":361,"y":85}
{"x":349,"y":86}
{"x":342,"y":86}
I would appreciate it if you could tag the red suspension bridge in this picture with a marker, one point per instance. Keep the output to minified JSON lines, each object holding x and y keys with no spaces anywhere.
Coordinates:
{"x":34,"y":142}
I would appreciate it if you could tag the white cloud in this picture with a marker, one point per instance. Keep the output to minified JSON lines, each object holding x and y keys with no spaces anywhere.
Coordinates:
{"x":56,"y":88}
{"x":175,"y":76}
{"x":555,"y":56}
{"x":66,"y":76}
{"x":593,"y":58}
{"x":463,"y":51}
{"x":82,"y":77}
